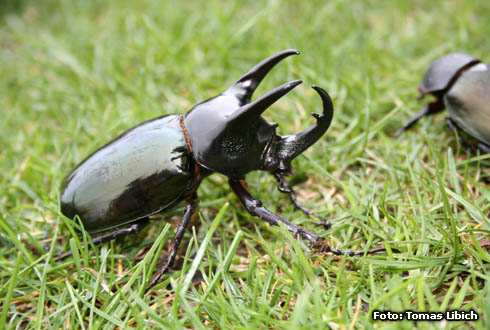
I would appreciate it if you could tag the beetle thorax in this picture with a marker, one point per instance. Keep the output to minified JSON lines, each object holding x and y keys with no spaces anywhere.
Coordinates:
{"x":444,"y":71}
{"x":224,"y":143}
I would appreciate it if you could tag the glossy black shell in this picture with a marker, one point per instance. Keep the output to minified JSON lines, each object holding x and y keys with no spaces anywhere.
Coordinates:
{"x":468,"y":102}
{"x":145,"y":170}
{"x":440,"y":73}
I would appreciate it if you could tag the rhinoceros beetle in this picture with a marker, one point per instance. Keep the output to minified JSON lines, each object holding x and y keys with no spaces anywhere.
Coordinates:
{"x":460,"y":83}
{"x":161,"y":162}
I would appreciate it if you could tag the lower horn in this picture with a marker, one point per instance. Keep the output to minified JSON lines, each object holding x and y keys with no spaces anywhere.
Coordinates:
{"x":289,"y":147}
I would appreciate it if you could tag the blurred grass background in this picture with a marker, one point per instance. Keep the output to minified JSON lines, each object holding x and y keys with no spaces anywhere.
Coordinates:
{"x":75,"y":74}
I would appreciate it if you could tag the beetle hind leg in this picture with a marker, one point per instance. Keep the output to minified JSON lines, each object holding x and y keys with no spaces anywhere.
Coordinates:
{"x":132,"y":229}
{"x":189,"y":211}
{"x":285,"y":188}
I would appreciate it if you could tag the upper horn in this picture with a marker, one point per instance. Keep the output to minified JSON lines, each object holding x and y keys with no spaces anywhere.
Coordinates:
{"x":244,"y":87}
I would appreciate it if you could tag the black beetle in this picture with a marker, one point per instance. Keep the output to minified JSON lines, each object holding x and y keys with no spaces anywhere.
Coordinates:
{"x":460,"y":83}
{"x":159,"y":163}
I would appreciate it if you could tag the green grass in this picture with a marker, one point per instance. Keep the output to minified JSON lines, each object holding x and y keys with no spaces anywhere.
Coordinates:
{"x":75,"y":74}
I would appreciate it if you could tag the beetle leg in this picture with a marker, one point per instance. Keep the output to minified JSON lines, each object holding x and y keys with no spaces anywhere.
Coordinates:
{"x":453,"y":126}
{"x":46,"y":244}
{"x":483,"y":147}
{"x":190,"y":209}
{"x":254,"y":207}
{"x":132,"y":229}
{"x":324,"y":247}
{"x":286,"y":188}
{"x":413,"y":120}
{"x":428,"y":109}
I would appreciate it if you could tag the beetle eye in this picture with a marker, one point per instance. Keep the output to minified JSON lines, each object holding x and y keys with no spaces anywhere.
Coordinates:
{"x":271,"y":163}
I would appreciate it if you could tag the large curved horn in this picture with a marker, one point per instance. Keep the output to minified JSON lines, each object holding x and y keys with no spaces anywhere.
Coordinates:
{"x":288,"y":147}
{"x":244,"y":87}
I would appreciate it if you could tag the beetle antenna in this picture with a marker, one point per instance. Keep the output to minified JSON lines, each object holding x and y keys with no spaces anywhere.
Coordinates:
{"x":244,"y":87}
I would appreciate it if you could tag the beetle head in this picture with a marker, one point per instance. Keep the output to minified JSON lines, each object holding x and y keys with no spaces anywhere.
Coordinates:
{"x":229,"y":136}
{"x":438,"y":79}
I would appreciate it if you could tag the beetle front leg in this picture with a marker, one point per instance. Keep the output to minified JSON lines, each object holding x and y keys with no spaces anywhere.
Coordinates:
{"x":413,"y":120}
{"x":255,"y":208}
{"x":428,"y":109}
{"x":286,"y":188}
{"x":132,"y":229}
{"x":324,"y":247}
{"x":189,"y":211}
{"x":453,"y":126}
{"x":483,"y":147}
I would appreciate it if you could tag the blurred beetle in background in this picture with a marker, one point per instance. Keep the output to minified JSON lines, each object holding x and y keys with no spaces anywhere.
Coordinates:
{"x":460,"y":83}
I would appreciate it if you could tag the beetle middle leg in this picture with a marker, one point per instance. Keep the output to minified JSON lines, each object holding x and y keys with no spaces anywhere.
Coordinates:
{"x":132,"y":229}
{"x":286,"y":188}
{"x":189,"y":211}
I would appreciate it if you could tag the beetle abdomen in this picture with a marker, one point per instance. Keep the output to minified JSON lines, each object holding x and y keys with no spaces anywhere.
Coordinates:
{"x":468,"y":102}
{"x":143,"y":171}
